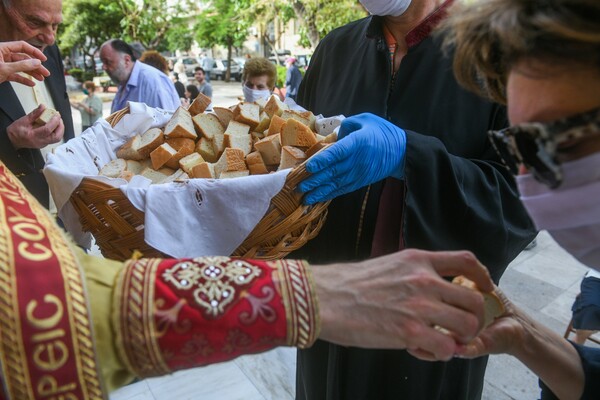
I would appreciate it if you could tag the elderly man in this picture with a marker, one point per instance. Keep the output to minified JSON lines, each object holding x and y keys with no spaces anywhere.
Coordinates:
{"x":137,"y":81}
{"x":20,"y":106}
{"x":415,"y":171}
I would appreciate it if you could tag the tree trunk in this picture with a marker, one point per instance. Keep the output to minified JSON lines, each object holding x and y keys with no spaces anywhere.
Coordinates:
{"x":308,"y":20}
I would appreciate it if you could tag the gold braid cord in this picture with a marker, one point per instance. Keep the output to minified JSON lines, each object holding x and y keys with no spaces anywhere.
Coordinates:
{"x":300,"y":300}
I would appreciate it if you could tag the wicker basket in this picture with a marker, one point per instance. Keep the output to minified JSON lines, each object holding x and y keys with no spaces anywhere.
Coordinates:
{"x":118,"y":226}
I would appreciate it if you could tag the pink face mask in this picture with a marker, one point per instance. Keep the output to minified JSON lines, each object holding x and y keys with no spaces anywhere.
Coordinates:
{"x":571,"y":212}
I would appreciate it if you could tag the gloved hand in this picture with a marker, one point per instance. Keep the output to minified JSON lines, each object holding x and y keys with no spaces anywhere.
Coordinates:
{"x":368,"y":149}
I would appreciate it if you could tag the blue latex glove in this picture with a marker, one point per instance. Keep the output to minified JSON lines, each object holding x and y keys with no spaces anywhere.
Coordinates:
{"x":368,"y":149}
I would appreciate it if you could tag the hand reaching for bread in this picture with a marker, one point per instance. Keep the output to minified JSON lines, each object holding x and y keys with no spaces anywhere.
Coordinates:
{"x":497,"y":329}
{"x":369,"y":149}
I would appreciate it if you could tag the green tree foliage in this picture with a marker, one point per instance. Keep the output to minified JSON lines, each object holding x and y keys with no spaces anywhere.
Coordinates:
{"x":318,"y":17}
{"x":222,"y":23}
{"x":269,"y":16}
{"x":156,"y":24}
{"x":87,"y":24}
{"x":179,"y":36}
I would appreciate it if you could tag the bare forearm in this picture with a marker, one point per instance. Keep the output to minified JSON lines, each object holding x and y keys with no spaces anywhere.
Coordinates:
{"x":552,"y":358}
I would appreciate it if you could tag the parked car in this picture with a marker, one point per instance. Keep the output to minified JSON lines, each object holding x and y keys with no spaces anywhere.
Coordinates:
{"x":241,"y":61}
{"x":190,"y":65}
{"x":220,"y":69}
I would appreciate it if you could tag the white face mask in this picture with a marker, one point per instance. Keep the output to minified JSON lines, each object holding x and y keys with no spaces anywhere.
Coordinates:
{"x":571,"y":212}
{"x":251,"y":95}
{"x":394,"y":8}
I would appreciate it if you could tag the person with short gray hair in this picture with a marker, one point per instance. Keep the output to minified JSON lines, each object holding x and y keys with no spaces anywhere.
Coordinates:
{"x":21,"y":139}
{"x":137,"y":81}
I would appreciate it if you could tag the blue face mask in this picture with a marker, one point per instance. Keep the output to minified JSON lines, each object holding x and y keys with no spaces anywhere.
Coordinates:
{"x":86,"y":92}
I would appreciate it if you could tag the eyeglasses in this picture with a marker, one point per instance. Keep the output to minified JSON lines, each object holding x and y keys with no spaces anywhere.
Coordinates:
{"x":535,"y":145}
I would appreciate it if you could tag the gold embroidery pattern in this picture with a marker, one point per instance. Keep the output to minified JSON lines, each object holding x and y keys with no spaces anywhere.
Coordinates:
{"x":137,"y":336}
{"x":79,"y":318}
{"x":214,"y":281}
{"x":302,"y":311}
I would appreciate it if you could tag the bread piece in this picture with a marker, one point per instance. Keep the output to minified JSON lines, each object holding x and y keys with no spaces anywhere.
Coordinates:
{"x":255,"y":164}
{"x":127,"y":175}
{"x":128,"y":150}
{"x":161,"y":155}
{"x":113,"y":168}
{"x":230,"y":160}
{"x":135,"y":167}
{"x":208,"y":125}
{"x":199,"y":105}
{"x":295,"y":133}
{"x":203,"y":170}
{"x":154,"y":176}
{"x":178,"y":175}
{"x":314,"y":149}
{"x":225,"y":115}
{"x":46,"y":116}
{"x":205,"y":148}
{"x":233,"y":174}
{"x":274,"y":106}
{"x":331,"y":138}
{"x":270,"y":149}
{"x":183,"y":146}
{"x":248,"y":114}
{"x":242,"y":142}
{"x":256,"y":136}
{"x":150,"y":140}
{"x":262,"y":102}
{"x":492,"y":304}
{"x":237,"y":128}
{"x":181,"y":125}
{"x":189,"y":161}
{"x":275,"y":125}
{"x":218,"y":145}
{"x":291,"y":157}
{"x":306,"y":117}
{"x":264,"y":123}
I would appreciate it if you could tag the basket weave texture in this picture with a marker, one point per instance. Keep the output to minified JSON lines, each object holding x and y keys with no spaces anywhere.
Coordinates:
{"x":118,"y":226}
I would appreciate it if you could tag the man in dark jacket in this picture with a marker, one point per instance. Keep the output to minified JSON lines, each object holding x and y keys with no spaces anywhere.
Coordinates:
{"x":20,"y":137}
{"x":293,"y":77}
{"x":453,"y":192}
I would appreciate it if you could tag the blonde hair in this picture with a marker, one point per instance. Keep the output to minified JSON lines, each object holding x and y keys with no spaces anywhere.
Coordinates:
{"x":258,"y":66}
{"x":490,"y":36}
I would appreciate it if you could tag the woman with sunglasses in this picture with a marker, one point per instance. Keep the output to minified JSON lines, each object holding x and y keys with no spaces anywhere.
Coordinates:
{"x":543,"y":60}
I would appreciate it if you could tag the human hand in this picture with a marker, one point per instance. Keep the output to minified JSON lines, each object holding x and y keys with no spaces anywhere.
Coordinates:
{"x":503,"y":336}
{"x":396,"y":301}
{"x":24,"y":133}
{"x":21,"y":57}
{"x":368,"y":149}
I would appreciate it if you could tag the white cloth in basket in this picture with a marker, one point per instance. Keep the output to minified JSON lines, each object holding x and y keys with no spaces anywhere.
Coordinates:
{"x":199,"y":218}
